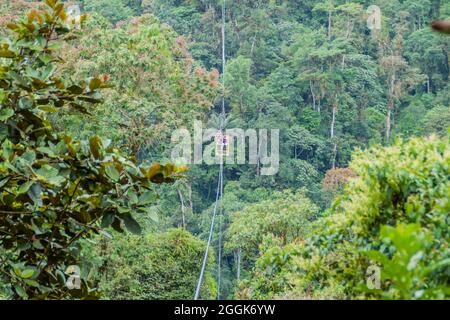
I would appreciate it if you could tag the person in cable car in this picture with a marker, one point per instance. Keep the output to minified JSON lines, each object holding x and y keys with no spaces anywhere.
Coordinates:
{"x":225,"y":143}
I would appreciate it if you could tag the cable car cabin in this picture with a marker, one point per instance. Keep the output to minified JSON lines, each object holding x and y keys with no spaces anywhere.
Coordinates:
{"x":222,"y":148}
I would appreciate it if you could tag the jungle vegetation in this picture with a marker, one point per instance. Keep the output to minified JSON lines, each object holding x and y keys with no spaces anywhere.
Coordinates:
{"x":88,"y":105}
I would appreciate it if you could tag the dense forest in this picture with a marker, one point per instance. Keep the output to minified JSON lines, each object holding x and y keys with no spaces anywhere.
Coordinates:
{"x":358,"y":209}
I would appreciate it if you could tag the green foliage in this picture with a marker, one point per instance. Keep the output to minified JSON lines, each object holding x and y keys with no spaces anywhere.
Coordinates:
{"x":437,"y":120}
{"x":407,"y":271}
{"x":159,"y":266}
{"x":312,"y":70}
{"x":406,"y":183}
{"x":53,"y":189}
{"x":115,"y":10}
{"x":268,"y":277}
{"x":286,"y":215}
{"x":155,"y":84}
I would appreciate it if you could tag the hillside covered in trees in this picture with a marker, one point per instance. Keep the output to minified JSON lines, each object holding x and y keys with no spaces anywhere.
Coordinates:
{"x":89,"y":192}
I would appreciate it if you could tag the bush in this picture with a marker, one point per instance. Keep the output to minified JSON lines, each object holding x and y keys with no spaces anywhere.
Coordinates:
{"x":55,"y":190}
{"x":393,"y":215}
{"x":285,"y":216}
{"x":161,"y":266}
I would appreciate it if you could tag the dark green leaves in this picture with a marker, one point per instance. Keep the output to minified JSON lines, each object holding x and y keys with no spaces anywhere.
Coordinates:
{"x":107,"y":220}
{"x":55,"y":190}
{"x":132,"y":225}
{"x":74,"y":89}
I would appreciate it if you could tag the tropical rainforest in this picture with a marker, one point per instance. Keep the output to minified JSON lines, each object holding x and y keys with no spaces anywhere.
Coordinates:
{"x":93,"y":207}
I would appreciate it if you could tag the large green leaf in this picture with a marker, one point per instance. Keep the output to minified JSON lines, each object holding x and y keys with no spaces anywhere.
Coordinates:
{"x":25,"y":187}
{"x":25,"y":103}
{"x":6,"y":113}
{"x":27,"y":273}
{"x":95,"y":145}
{"x":107,"y":220}
{"x":112,"y":173}
{"x":147,"y":197}
{"x":35,"y":193}
{"x":132,"y":224}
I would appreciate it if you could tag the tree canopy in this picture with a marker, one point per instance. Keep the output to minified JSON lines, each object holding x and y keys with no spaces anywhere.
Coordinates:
{"x":89,"y":104}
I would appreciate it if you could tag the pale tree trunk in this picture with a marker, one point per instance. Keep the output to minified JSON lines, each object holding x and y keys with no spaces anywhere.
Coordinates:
{"x":311,"y":86}
{"x":191,"y":203}
{"x":258,"y":165}
{"x":253,"y":45}
{"x":333,"y":121}
{"x":334,"y":155}
{"x":388,"y":124}
{"x":238,"y":271}
{"x":390,"y":107}
{"x":183,"y":209}
{"x":329,"y":24}
{"x":349,"y":29}
{"x":213,"y":19}
{"x":332,"y":134}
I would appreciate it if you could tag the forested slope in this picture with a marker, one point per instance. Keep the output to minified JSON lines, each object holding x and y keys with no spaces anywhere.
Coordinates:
{"x":353,"y":105}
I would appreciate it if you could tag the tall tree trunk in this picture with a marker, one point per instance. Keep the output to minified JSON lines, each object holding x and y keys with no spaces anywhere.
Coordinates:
{"x":238,"y":271}
{"x":333,"y":121}
{"x":191,"y":203}
{"x":258,"y":165}
{"x":183,"y":209}
{"x":390,"y":106}
{"x":312,"y":94}
{"x":329,"y":24}
{"x":349,"y":29}
{"x":253,"y":45}
{"x":333,"y":162}
{"x":388,"y":123}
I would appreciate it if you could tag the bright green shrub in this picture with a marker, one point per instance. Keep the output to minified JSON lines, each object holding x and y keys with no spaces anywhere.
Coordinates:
{"x":407,"y":183}
{"x":162,"y":266}
{"x":286,"y":216}
{"x":408,"y":267}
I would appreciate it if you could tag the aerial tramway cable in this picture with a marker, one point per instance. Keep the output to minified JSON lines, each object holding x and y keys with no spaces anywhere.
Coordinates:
{"x":205,"y":257}
{"x":219,"y":262}
{"x":219,"y":192}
